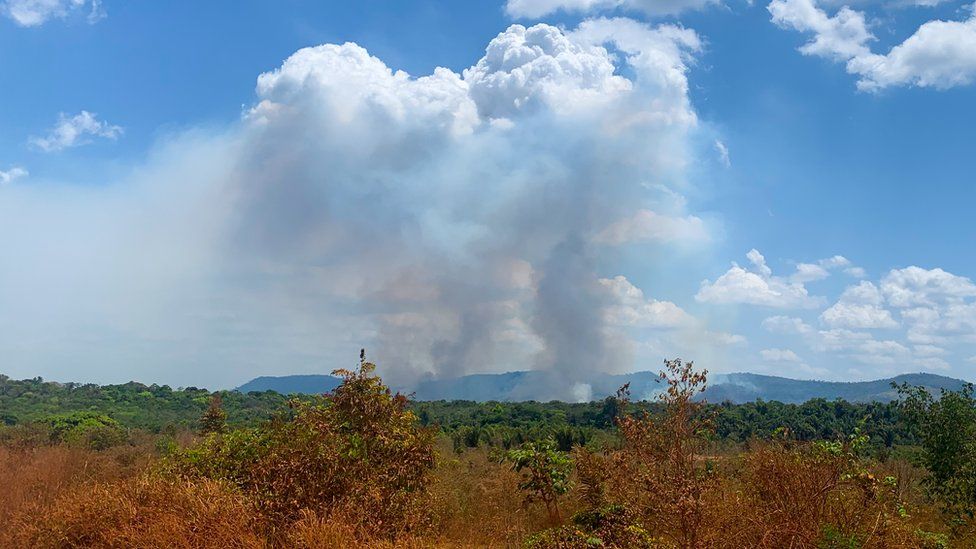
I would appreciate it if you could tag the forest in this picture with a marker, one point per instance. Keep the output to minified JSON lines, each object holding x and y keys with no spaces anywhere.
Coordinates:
{"x":150,"y":466}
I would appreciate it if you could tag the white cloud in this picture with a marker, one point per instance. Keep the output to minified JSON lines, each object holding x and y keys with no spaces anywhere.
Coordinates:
{"x":933,"y":363}
{"x":723,"y":153}
{"x":72,"y":131}
{"x":812,"y":272}
{"x":757,"y":287}
{"x":809,"y":272}
{"x":914,"y":286}
{"x":859,"y":306}
{"x":779,"y":355}
{"x":725,"y":338}
{"x":32,"y":13}
{"x":786,"y":325}
{"x":534,"y":9}
{"x":940,"y":54}
{"x":629,"y":307}
{"x":862,"y":347}
{"x":840,"y":339}
{"x":647,"y":225}
{"x":14,"y":173}
{"x":928,"y":350}
{"x":527,"y":69}
{"x":834,"y":262}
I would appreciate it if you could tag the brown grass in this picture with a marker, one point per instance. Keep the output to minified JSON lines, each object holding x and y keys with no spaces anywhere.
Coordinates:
{"x":35,"y":476}
{"x":145,"y":512}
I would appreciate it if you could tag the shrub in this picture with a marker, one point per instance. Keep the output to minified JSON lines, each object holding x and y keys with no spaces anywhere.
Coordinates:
{"x":947,"y":429}
{"x":658,"y":473}
{"x":545,"y":473}
{"x":359,"y":451}
{"x":89,"y":429}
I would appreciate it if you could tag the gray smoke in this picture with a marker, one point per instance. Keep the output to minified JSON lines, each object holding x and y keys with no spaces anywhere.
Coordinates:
{"x":451,"y":223}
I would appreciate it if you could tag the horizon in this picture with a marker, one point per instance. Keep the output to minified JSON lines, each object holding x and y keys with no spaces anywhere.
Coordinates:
{"x":575,"y":186}
{"x":649,"y":372}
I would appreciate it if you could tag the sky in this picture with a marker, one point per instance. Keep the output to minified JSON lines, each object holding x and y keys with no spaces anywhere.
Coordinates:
{"x":198,"y":193}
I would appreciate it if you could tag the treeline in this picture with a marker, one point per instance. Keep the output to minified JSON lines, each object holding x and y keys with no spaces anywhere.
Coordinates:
{"x":509,"y":424}
{"x":153,"y":408}
{"x":364,"y":467}
{"x":161,"y":409}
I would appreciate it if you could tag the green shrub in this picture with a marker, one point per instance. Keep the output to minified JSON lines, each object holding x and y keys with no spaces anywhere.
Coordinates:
{"x":358,"y":452}
{"x":89,"y":429}
{"x":545,"y":473}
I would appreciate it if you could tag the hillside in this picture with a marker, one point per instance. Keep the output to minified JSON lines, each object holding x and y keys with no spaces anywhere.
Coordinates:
{"x":530,"y":385}
{"x":288,"y":385}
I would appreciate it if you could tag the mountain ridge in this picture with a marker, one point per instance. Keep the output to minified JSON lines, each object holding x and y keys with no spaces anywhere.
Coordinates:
{"x":736,"y":387}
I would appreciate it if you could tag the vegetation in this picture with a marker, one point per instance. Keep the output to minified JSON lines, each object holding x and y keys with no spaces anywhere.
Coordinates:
{"x":363,"y":466}
{"x":545,"y":474}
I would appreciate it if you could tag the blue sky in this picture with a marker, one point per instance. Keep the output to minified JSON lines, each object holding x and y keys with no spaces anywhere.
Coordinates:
{"x":170,"y":216}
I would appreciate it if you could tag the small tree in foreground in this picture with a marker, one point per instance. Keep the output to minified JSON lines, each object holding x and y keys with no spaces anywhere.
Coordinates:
{"x":358,"y":454}
{"x":545,"y":473}
{"x":659,"y":471}
{"x":947,"y":429}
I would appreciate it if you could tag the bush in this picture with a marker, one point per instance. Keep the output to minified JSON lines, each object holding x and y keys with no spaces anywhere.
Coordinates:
{"x":88,"y":429}
{"x":545,"y":473}
{"x":359,"y":452}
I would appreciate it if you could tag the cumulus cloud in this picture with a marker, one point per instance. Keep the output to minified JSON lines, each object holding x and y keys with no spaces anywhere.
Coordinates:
{"x":915,"y":286}
{"x":629,"y":307}
{"x":940,"y":54}
{"x":786,"y":325}
{"x":444,"y":221}
{"x":779,"y":355}
{"x":809,"y":272}
{"x":534,"y":9}
{"x":929,"y":315}
{"x":723,"y":153}
{"x":33,"y":13}
{"x":860,"y":306}
{"x":863,"y":347}
{"x":14,"y":173}
{"x":928,"y":350}
{"x":73,"y":131}
{"x":756,"y":287}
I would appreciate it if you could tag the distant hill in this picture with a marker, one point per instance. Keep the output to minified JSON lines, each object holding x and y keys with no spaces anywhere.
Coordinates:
{"x":289,"y":385}
{"x":535,"y":385}
{"x":743,"y":387}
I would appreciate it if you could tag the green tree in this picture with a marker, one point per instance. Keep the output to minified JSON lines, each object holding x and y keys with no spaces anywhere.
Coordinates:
{"x":545,"y":473}
{"x":946,"y":428}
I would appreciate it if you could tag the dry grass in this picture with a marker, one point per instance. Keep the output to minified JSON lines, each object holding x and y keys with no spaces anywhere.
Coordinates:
{"x":145,"y":512}
{"x":770,"y":496}
{"x":35,"y":476}
{"x":476,"y":503}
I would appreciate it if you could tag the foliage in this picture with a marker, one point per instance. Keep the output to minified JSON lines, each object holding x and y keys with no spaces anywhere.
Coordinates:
{"x":214,"y":420}
{"x":160,"y":409}
{"x":613,"y":527}
{"x":90,"y":429}
{"x":358,"y":449}
{"x":946,"y":427}
{"x":356,"y":468}
{"x":545,"y":473}
{"x":661,"y":455}
{"x":154,"y":408}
